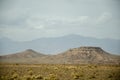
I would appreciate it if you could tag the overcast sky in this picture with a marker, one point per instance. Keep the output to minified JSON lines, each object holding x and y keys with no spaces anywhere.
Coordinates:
{"x":24,"y":20}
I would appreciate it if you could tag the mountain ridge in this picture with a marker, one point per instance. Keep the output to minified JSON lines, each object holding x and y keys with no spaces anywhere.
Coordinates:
{"x":80,"y":55}
{"x":55,"y":44}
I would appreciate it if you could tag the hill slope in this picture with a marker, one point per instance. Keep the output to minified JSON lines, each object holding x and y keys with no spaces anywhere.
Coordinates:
{"x":88,"y":55}
{"x":81,"y":55}
{"x":26,"y":56}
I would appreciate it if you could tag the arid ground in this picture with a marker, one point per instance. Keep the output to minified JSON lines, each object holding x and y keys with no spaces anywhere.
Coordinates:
{"x":59,"y":72}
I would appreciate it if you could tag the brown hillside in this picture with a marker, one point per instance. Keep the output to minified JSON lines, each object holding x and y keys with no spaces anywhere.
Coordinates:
{"x":29,"y":53}
{"x":26,"y":56}
{"x":87,"y":55}
{"x":81,"y":55}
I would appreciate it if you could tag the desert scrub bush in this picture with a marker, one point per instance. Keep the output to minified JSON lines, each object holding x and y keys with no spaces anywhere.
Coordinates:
{"x":39,"y":77}
{"x":75,"y":75}
{"x":30,"y":72}
{"x":110,"y":75}
{"x":92,"y":77}
{"x":33,"y":77}
{"x":28,"y":77}
{"x":51,"y":77}
{"x":55,"y":68}
{"x":61,"y":72}
{"x":95,"y":66}
{"x":4,"y":77}
{"x":15,"y":76}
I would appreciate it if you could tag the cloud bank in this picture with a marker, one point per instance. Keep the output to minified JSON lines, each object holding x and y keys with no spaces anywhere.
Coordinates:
{"x":27,"y":20}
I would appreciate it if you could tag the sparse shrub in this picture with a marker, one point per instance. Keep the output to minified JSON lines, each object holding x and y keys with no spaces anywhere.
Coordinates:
{"x":14,"y":76}
{"x":95,"y":66}
{"x":2,"y":78}
{"x":52,"y":77}
{"x":30,"y":72}
{"x":59,"y":72}
{"x":27,"y":78}
{"x":38,"y":77}
{"x":45,"y":78}
{"x":92,"y":77}
{"x":89,"y":66}
{"x":75,"y":75}
{"x":110,"y":76}
{"x":17,"y":64}
{"x":55,"y":68}
{"x":81,"y":75}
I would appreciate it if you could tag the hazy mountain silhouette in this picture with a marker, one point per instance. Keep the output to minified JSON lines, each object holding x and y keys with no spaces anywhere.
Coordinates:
{"x":58,"y":44}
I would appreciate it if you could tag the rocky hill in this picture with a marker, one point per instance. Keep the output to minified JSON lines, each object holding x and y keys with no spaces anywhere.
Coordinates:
{"x":26,"y":56}
{"x":88,"y":55}
{"x":81,"y":55}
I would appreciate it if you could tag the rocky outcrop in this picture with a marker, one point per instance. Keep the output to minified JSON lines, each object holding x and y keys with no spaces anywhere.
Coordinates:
{"x":88,"y":55}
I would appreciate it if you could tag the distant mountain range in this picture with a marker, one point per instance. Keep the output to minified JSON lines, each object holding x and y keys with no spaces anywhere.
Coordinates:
{"x":80,"y":55}
{"x":58,"y":44}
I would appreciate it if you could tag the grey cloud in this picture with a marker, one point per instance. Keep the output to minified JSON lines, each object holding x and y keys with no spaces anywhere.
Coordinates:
{"x":46,"y":18}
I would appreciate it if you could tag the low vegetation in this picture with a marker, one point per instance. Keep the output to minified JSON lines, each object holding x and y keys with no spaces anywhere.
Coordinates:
{"x":59,"y":72}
